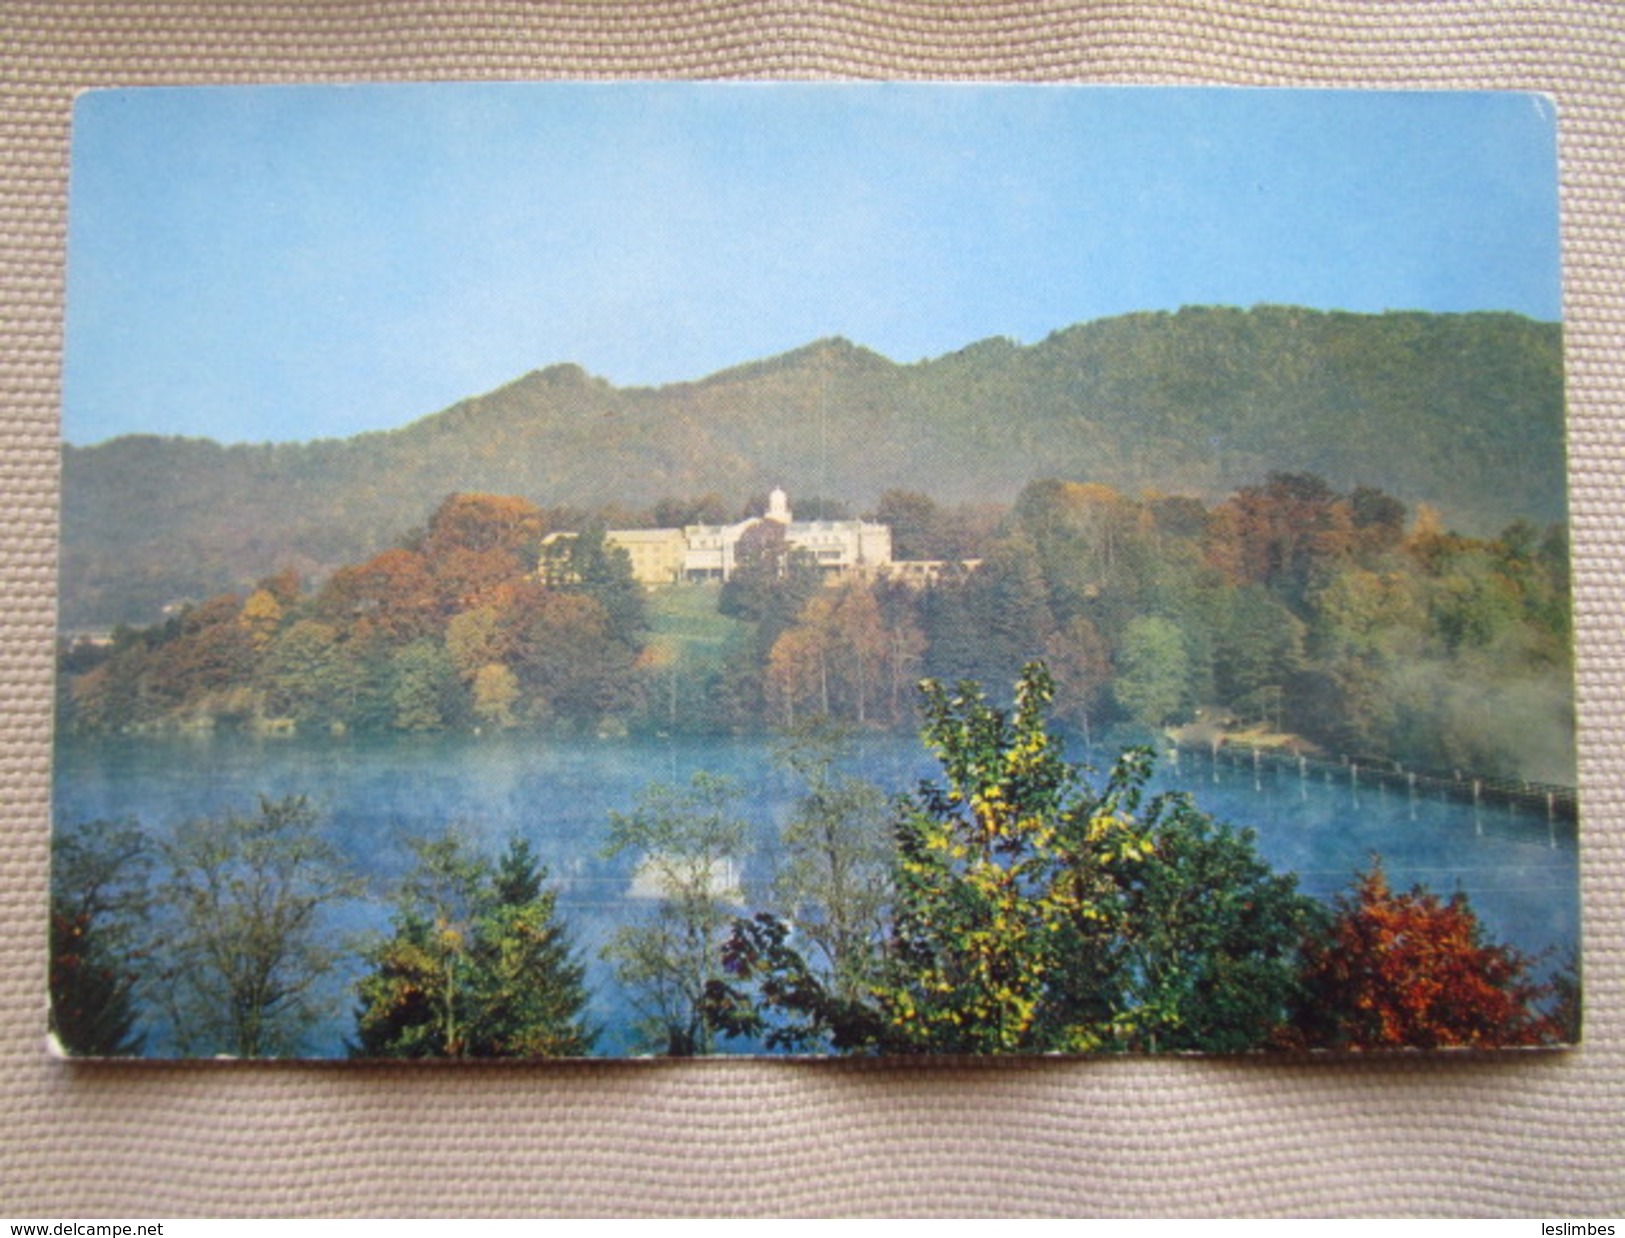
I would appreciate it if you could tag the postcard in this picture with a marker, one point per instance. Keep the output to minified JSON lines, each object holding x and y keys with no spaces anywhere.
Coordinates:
{"x":644,"y":569}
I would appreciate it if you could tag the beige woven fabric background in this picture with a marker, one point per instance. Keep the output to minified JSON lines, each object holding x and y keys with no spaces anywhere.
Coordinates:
{"x":1526,"y":1134}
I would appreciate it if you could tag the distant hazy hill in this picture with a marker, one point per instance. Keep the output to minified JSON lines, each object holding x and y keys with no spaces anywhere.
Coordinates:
{"x":1462,"y":411}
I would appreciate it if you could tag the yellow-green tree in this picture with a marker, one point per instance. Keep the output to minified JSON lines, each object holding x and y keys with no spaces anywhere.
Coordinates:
{"x":261,"y":616}
{"x":1033,"y":912}
{"x":1007,"y":880}
{"x":496,"y":691}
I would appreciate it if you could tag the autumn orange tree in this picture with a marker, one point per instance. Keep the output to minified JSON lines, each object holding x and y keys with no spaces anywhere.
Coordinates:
{"x":842,"y":658}
{"x":482,"y":523}
{"x":1412,"y":970}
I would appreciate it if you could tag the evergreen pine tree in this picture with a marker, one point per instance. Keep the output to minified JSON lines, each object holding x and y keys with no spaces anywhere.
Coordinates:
{"x":479,"y":964}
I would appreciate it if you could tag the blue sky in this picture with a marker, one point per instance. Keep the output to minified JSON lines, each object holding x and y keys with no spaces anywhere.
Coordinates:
{"x":276,"y":263}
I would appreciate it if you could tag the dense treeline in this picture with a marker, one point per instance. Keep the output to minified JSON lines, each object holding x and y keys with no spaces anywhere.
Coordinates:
{"x":1465,"y":411}
{"x":463,"y":627}
{"x":1323,"y":618}
{"x":1015,"y":906}
{"x":1318,"y":618}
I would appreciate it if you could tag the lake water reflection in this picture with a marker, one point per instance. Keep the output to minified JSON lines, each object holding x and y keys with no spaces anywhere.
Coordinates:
{"x":375,"y":794}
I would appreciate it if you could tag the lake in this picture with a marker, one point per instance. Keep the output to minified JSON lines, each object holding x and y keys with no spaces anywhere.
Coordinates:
{"x":1518,"y":867}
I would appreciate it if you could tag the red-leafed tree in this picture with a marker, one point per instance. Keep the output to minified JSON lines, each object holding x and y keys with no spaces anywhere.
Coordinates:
{"x":475,"y":542}
{"x":1415,"y":971}
{"x":391,"y":597}
{"x":1281,"y":533}
{"x":467,"y":578}
{"x":485,"y":522}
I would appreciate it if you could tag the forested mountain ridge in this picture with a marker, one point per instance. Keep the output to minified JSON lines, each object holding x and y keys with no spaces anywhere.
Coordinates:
{"x":1464,"y":412}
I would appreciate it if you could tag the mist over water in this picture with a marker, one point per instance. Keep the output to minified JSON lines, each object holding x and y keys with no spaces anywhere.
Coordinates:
{"x":375,"y":794}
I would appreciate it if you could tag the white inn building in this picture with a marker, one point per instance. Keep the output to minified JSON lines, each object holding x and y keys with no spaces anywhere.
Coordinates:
{"x":707,"y":551}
